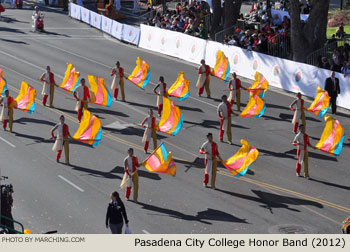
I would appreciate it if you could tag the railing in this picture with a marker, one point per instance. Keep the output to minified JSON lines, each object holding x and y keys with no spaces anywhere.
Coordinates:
{"x":326,"y":51}
{"x":219,"y":36}
{"x":279,"y":46}
{"x":207,"y":21}
{"x":11,"y":229}
{"x":151,"y":14}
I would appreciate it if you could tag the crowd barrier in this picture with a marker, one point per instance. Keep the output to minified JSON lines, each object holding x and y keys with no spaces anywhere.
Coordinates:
{"x":118,"y":30}
{"x":281,"y":73}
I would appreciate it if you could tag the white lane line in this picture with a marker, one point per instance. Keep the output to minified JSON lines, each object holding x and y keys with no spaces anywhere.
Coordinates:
{"x":13,"y":146}
{"x":71,"y":183}
{"x":145,"y":231}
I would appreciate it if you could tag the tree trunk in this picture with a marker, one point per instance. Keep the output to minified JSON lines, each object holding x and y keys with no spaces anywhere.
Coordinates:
{"x":216,"y":17}
{"x":308,"y":37}
{"x":232,"y":11}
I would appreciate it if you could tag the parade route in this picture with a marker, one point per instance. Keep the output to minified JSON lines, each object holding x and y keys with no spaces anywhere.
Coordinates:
{"x":73,"y":199}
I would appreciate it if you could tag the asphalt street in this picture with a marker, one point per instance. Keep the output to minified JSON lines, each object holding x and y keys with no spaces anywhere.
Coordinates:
{"x":73,"y":199}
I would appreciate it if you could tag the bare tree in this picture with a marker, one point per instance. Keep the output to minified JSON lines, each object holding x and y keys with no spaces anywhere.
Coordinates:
{"x":232,"y":11}
{"x":216,"y":17}
{"x":306,"y":37}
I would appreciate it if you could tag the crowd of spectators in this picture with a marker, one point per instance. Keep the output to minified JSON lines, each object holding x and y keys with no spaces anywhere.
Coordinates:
{"x":339,"y":62}
{"x":186,"y":18}
{"x":259,"y":31}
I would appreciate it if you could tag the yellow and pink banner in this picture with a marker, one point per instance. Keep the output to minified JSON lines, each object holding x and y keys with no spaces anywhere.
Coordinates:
{"x":25,"y":100}
{"x":99,"y":92}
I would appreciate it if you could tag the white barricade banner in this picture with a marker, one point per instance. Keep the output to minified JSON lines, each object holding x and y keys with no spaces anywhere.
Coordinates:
{"x":106,"y":24}
{"x":95,"y":20}
{"x":281,"y":14}
{"x":172,"y":43}
{"x":85,"y":15}
{"x":131,"y":34}
{"x":117,"y":30}
{"x":75,"y":11}
{"x":281,"y":73}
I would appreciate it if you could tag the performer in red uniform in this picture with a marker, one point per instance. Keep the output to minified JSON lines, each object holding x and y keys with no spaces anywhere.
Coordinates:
{"x":224,"y":111}
{"x":7,"y":110}
{"x":211,"y":151}
{"x":82,"y":94}
{"x":62,"y":139}
{"x":204,"y":72}
{"x":131,"y":163}
{"x":162,"y":92}
{"x":48,"y":78}
{"x":150,"y":130}
{"x":118,"y":81}
{"x":235,"y":86}
{"x":299,"y":113}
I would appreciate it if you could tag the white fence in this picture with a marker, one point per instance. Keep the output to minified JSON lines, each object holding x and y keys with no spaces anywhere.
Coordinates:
{"x":281,"y":73}
{"x":118,"y":30}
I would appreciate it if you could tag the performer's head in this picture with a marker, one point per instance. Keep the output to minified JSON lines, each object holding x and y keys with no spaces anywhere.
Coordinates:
{"x":234,"y":75}
{"x":130,"y":152}
{"x":48,"y":68}
{"x":346,"y":226}
{"x":224,"y":98}
{"x":299,"y":95}
{"x":210,"y":137}
{"x":115,"y":197}
{"x":7,"y":92}
{"x":333,"y":74}
{"x":62,"y":118}
{"x":36,"y":8}
{"x":82,"y":81}
{"x":117,"y":64}
{"x":161,"y":79}
{"x":202,"y":61}
{"x":150,"y":112}
{"x":302,"y":128}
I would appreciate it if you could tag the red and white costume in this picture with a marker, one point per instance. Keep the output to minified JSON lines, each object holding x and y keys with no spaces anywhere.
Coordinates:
{"x":203,"y":79}
{"x":162,"y":92}
{"x":150,"y":131}
{"x":211,"y":152}
{"x":130,"y":169}
{"x":4,"y":116}
{"x":82,"y":94}
{"x":298,"y":114}
{"x":224,"y":111}
{"x":47,"y":78}
{"x":118,"y":82}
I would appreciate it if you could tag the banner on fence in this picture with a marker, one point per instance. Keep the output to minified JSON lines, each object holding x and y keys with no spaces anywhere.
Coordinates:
{"x":131,"y":34}
{"x":106,"y":24}
{"x":285,"y":74}
{"x":95,"y":20}
{"x":172,"y":43}
{"x":85,"y":15}
{"x":75,"y":11}
{"x":117,"y":30}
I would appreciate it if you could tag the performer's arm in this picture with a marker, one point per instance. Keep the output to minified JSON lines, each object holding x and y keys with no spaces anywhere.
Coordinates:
{"x":137,"y":162}
{"x":155,"y":89}
{"x":126,"y":167}
{"x":75,"y":95}
{"x":42,"y":78}
{"x":219,"y":112}
{"x":52,"y":132}
{"x":292,"y":104}
{"x":143,"y":122}
{"x":107,"y":217}
{"x":113,"y":71}
{"x":1,"y":100}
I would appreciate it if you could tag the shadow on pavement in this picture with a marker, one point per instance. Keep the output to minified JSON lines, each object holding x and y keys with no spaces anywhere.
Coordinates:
{"x":312,"y":155}
{"x":107,"y":111}
{"x":202,"y":217}
{"x":25,"y":120}
{"x":95,"y":173}
{"x":271,"y":200}
{"x":331,"y":184}
{"x":14,"y":41}
{"x":142,"y":173}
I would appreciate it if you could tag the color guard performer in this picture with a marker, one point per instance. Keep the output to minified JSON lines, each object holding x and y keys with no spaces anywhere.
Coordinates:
{"x":118,"y":81}
{"x":7,"y":110}
{"x":299,"y":113}
{"x":224,"y":111}
{"x":131,"y":163}
{"x":234,"y":86}
{"x":204,"y":72}
{"x":150,"y":130}
{"x":302,"y":140}
{"x":210,"y":149}
{"x":82,"y":94}
{"x":162,"y":92}
{"x":62,"y":139}
{"x":48,"y":78}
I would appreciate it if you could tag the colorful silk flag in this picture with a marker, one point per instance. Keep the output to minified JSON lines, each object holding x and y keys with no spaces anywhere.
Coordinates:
{"x":99,"y":93}
{"x":321,"y":103}
{"x":332,"y":137}
{"x":3,"y":84}
{"x":259,"y":86}
{"x":26,"y":98}
{"x":222,"y":66}
{"x":160,"y":161}
{"x":71,"y":79}
{"x":90,"y":129}
{"x":180,"y":88}
{"x":239,"y":163}
{"x":171,"y":119}
{"x":255,"y":108}
{"x":141,"y":74}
